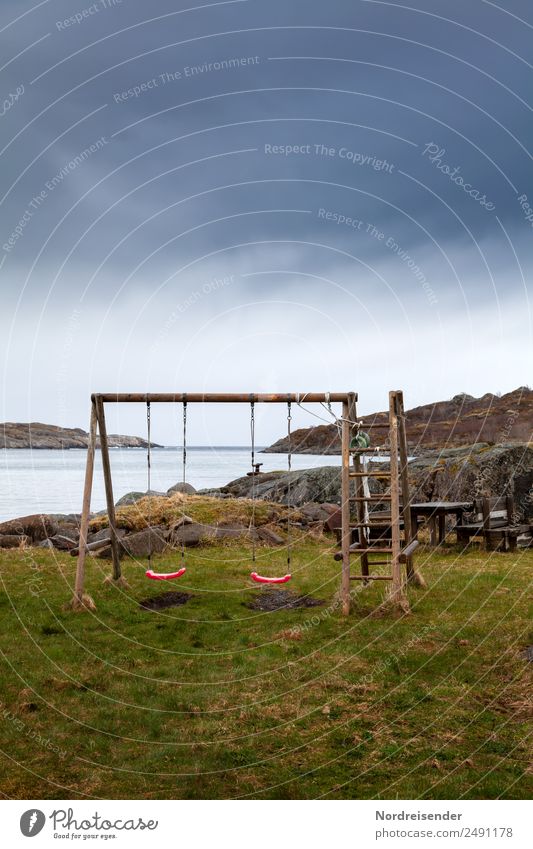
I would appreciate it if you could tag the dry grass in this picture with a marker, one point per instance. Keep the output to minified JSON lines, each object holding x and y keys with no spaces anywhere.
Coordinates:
{"x":159,"y":510}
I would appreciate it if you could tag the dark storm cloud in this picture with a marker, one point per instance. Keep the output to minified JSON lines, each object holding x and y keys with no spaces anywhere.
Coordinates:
{"x":368,"y":142}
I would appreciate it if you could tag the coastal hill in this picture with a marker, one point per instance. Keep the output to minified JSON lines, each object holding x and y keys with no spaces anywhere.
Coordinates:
{"x":463,"y":420}
{"x":38,"y":435}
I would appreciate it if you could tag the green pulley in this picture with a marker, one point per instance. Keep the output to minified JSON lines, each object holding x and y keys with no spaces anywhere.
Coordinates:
{"x":361,"y":440}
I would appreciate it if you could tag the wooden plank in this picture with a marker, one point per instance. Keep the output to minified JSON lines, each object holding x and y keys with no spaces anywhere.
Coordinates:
{"x":93,"y":546}
{"x":108,"y":482}
{"x":408,"y":551}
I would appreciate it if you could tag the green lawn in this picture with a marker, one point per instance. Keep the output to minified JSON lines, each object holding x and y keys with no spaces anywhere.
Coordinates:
{"x":214,"y":700}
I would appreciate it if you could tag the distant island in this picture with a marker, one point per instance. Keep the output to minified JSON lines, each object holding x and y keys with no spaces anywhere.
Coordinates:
{"x":461,"y":421}
{"x":38,"y":435}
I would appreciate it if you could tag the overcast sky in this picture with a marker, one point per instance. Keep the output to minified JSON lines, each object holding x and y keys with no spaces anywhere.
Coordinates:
{"x":289,"y":195}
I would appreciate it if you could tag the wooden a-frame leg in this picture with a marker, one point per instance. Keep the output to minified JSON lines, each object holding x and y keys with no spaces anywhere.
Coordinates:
{"x":414,"y":577}
{"x":345,"y":509}
{"x":397,"y":598}
{"x":81,"y":601}
{"x":116,"y":577}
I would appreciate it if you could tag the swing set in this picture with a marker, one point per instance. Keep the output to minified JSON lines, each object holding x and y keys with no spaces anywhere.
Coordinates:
{"x":259,"y":579}
{"x":354,"y":538}
{"x":98,"y":424}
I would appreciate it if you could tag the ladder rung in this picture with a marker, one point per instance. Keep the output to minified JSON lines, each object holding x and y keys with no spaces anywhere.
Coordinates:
{"x":368,"y":425}
{"x":354,"y":549}
{"x":385,"y":524}
{"x":371,"y":550}
{"x":370,"y":577}
{"x":370,"y":474}
{"x":386,"y":497}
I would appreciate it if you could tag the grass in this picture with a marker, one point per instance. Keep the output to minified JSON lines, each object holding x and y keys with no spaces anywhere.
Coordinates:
{"x":214,"y":700}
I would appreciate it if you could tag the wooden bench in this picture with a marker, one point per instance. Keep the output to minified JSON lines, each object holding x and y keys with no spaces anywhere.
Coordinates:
{"x":493,"y":520}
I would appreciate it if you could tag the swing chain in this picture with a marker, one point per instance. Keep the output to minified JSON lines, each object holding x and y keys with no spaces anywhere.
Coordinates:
{"x":289,"y":493}
{"x":184,"y":471}
{"x":252,"y":437}
{"x":149,"y":467}
{"x":184,"y":438}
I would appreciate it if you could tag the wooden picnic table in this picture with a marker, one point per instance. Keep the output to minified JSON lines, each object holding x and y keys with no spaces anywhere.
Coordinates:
{"x":435,"y":512}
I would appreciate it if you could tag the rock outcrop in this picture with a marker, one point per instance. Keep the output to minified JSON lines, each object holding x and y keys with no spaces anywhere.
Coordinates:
{"x":38,"y":435}
{"x":463,"y":420}
{"x":294,"y":488}
{"x":463,"y":474}
{"x":318,"y":487}
{"x":456,"y":474}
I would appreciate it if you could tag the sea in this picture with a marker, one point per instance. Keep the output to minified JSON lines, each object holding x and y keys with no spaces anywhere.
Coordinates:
{"x":51,"y":481}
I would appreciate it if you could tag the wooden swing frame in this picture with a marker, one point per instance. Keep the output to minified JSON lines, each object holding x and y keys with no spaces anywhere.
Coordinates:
{"x":98,"y":427}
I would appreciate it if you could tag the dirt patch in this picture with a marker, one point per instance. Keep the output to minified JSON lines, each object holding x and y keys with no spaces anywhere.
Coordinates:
{"x":282,"y":600}
{"x":160,"y":602}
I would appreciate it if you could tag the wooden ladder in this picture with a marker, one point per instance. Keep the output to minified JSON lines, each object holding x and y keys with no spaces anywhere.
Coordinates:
{"x":396,"y":544}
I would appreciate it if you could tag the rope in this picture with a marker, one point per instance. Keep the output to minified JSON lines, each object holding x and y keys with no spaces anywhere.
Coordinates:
{"x":149,"y":465}
{"x":326,"y":405}
{"x":252,"y":436}
{"x":289,"y":488}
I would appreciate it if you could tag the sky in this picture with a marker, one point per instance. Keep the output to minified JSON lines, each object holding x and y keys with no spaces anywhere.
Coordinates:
{"x":259,"y":196}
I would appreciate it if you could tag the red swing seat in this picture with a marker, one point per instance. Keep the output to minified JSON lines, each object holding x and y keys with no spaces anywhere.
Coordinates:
{"x":165,"y":576}
{"x":261,"y":579}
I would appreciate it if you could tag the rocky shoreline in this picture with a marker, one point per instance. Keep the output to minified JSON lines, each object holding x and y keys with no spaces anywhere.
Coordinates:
{"x":306,"y":498}
{"x":36,"y":435}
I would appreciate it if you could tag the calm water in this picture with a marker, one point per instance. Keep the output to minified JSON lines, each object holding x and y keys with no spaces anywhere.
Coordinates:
{"x":52,"y":481}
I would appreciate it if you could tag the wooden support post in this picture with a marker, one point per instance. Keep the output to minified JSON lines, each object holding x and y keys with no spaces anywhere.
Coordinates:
{"x":397,"y":595}
{"x":410,"y":529}
{"x":361,"y":505}
{"x":80,"y":600}
{"x":345,"y":508}
{"x":106,"y":466}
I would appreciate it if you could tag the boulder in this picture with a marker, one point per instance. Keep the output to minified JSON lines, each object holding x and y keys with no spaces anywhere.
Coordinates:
{"x":13,"y":540}
{"x":37,"y":527}
{"x":133,"y":497}
{"x":140,"y":544}
{"x":46,"y":543}
{"x":318,"y":513}
{"x":184,"y":488}
{"x":105,"y":533}
{"x":227,"y":530}
{"x":270,"y":537}
{"x":65,"y":541}
{"x":191,"y":535}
